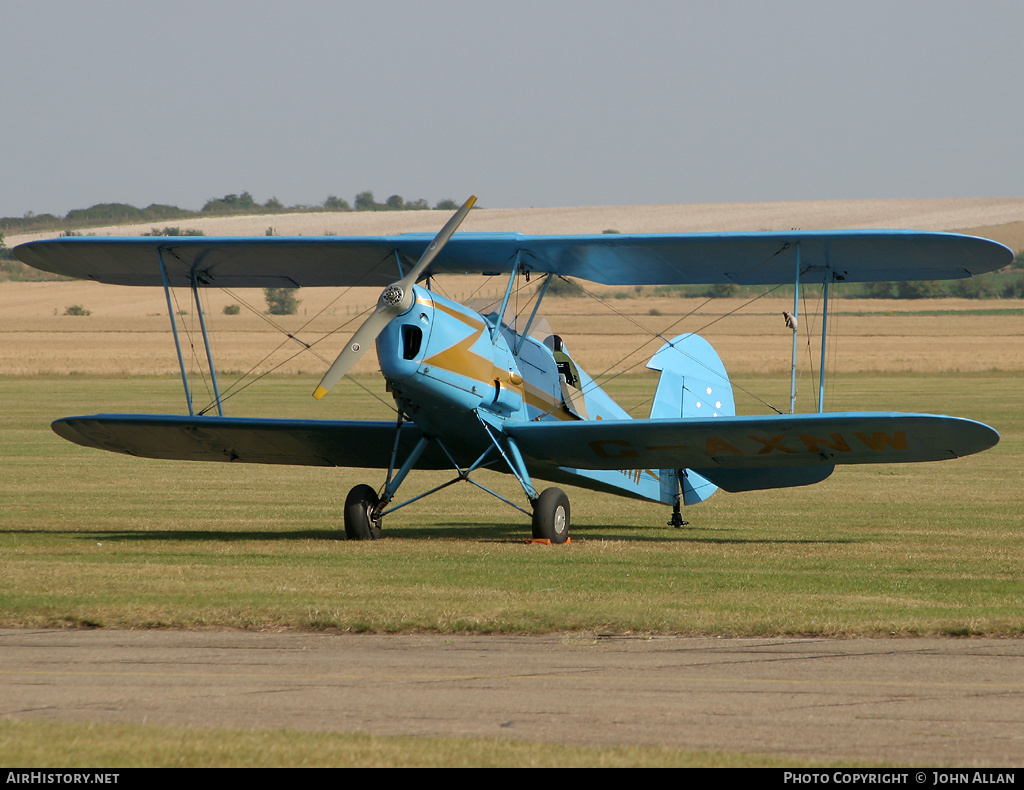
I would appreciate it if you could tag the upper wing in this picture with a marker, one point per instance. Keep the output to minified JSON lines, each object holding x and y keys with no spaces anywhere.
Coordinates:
{"x":752,"y":442}
{"x":262,"y":262}
{"x":248,"y":440}
{"x":612,"y":259}
{"x":765,"y":258}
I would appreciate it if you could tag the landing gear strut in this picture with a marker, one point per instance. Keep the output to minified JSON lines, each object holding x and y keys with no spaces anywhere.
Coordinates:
{"x":364,"y":509}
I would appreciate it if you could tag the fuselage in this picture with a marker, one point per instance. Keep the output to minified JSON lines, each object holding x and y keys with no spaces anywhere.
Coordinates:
{"x":451,"y":369}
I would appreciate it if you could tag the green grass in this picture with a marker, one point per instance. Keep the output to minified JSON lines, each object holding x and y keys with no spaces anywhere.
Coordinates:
{"x":67,"y":745}
{"x":92,"y":539}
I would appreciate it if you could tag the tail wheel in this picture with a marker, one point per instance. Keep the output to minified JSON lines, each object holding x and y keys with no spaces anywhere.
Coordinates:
{"x":551,"y":516}
{"x":362,"y":520}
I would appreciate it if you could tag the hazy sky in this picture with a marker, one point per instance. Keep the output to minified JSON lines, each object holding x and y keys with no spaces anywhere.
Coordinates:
{"x":524,"y":103}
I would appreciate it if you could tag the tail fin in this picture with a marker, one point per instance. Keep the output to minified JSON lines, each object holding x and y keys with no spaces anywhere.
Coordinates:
{"x":693,"y":383}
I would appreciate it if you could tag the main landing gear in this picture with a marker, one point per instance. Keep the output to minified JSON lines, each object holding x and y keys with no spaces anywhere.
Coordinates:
{"x":364,"y":508}
{"x":551,"y":516}
{"x":362,"y":514}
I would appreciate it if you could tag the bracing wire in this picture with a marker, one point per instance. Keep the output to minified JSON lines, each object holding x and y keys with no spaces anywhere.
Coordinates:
{"x":238,"y":386}
{"x":195,"y":363}
{"x":606,"y":376}
{"x":810,"y":331}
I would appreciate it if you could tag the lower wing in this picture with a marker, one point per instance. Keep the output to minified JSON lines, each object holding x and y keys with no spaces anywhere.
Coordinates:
{"x":363,"y":444}
{"x":750,"y":443}
{"x":736,"y":453}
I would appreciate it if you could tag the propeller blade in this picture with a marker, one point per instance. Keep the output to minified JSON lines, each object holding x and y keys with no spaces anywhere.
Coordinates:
{"x":361,"y":340}
{"x":437,"y":244}
{"x":394,"y":301}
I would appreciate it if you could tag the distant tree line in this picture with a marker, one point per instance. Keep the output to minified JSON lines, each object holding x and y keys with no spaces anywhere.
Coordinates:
{"x":124,"y":213}
{"x":1007,"y":283}
{"x":173,"y":230}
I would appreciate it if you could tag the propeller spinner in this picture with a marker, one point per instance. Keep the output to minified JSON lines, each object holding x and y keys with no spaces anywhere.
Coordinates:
{"x":395,"y":300}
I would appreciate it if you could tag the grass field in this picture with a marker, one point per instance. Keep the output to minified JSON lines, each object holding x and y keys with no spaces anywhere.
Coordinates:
{"x":101,"y":540}
{"x":67,"y":745}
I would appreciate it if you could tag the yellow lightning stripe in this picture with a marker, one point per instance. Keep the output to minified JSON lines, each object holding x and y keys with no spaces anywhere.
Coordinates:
{"x":460,"y":358}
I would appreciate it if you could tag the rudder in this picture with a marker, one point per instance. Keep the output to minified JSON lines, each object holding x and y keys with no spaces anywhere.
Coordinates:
{"x":693,"y":383}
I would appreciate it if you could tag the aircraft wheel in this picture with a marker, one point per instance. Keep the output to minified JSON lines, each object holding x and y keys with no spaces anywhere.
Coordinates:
{"x":551,"y":516}
{"x":361,"y":519}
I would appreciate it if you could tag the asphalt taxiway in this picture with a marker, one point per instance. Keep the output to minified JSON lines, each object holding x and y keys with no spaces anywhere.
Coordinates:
{"x":921,"y":702}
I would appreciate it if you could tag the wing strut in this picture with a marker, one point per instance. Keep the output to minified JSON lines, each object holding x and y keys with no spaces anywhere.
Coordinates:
{"x":206,"y":342}
{"x":517,"y":268}
{"x":174,"y":331}
{"x":796,"y":323}
{"x":824,"y":338}
{"x":827,"y":278}
{"x":533,"y":315}
{"x":177,"y":340}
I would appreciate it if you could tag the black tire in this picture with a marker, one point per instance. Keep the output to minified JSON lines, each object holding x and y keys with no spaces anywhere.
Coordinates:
{"x":551,"y":516}
{"x":361,"y":519}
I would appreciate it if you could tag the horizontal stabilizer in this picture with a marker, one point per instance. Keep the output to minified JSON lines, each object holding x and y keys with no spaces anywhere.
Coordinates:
{"x":790,"y":440}
{"x":614,"y":259}
{"x":248,"y":440}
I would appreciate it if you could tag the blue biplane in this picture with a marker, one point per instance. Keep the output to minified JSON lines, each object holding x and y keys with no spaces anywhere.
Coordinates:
{"x":473,"y":390}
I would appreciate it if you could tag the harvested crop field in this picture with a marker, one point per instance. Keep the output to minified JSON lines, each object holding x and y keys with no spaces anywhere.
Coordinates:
{"x":128,"y":333}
